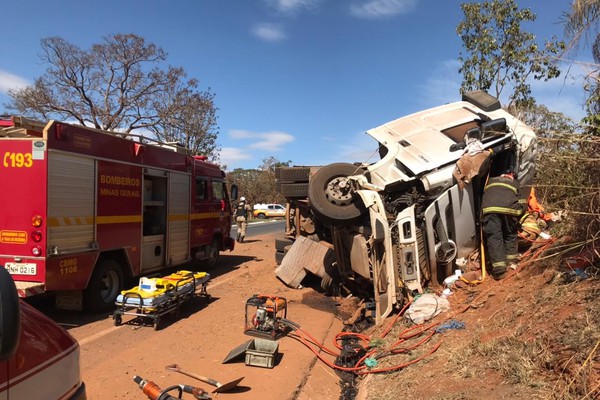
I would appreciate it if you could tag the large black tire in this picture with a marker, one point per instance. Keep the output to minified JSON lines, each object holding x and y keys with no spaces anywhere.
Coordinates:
{"x":294,"y":174}
{"x":104,"y":286}
{"x":294,"y":189}
{"x":279,"y":257}
{"x":331,"y":202}
{"x":211,"y":261}
{"x":279,"y":254}
{"x":281,"y":242}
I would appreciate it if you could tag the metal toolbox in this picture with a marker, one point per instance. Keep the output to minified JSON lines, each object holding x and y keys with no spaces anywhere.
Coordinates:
{"x":262,"y":353}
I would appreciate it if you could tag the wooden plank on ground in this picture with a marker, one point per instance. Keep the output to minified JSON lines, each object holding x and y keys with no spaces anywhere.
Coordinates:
{"x":291,"y":271}
{"x":304,"y":255}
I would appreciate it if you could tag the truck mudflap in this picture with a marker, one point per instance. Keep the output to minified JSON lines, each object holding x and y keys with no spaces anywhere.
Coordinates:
{"x":382,"y":258}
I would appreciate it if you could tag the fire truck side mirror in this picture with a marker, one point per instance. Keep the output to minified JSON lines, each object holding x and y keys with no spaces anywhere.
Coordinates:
{"x":234,"y":192}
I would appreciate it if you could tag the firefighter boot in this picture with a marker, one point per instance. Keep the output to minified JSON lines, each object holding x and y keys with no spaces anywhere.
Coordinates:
{"x":242,"y":239}
{"x":239,"y":237}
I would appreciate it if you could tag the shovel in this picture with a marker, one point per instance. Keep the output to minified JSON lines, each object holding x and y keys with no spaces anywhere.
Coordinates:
{"x":220,"y":387}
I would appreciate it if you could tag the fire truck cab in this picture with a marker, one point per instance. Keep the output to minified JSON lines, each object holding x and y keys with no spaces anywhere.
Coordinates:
{"x":87,"y":210}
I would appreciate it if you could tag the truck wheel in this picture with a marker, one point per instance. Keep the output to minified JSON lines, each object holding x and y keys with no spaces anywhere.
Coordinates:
{"x":213,"y":255}
{"x":261,"y":216}
{"x":281,"y":242}
{"x":104,"y":286}
{"x":294,"y":174}
{"x":294,"y":189}
{"x":279,"y":257}
{"x":332,"y":197}
{"x":280,"y":254}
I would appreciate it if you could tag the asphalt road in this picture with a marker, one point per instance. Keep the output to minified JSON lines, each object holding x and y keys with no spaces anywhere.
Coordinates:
{"x":261,"y":228}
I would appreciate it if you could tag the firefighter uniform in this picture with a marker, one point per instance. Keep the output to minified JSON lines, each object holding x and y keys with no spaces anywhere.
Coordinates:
{"x":241,"y":218}
{"x":501,"y":211}
{"x":531,"y":226}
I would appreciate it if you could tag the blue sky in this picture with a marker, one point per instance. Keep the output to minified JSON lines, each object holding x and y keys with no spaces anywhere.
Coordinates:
{"x":299,"y":80}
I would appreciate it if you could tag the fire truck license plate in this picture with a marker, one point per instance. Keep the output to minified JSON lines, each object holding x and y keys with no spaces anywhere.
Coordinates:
{"x":21,"y":268}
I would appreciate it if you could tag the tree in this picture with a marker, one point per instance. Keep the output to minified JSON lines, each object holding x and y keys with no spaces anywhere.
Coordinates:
{"x":499,"y":53}
{"x":270,"y":163}
{"x":118,"y":85}
{"x":547,"y":123}
{"x":192,"y":122}
{"x":582,"y":22}
{"x":566,"y":178}
{"x":258,"y":185}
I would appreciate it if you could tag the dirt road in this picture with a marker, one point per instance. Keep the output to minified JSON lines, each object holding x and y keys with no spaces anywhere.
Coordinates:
{"x":204,"y":334}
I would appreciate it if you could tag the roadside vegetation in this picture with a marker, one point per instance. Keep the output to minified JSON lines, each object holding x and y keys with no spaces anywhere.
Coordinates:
{"x":536,"y":335}
{"x":258,"y":185}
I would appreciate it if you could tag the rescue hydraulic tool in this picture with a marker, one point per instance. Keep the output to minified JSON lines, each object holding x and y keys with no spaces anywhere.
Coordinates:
{"x":154,"y":392}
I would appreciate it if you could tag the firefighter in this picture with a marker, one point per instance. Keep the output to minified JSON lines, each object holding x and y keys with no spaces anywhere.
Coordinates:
{"x":501,"y":211}
{"x":242,"y":210}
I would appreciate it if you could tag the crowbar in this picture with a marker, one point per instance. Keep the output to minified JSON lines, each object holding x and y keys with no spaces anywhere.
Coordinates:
{"x":220,"y":387}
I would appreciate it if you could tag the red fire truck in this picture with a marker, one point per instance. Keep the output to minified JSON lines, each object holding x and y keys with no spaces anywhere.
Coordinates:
{"x":85,"y":210}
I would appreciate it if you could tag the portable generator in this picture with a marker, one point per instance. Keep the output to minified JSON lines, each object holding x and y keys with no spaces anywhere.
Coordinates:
{"x":265,"y":315}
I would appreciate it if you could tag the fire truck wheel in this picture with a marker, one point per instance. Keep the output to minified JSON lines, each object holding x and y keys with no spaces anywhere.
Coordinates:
{"x":105,"y":285}
{"x":331,"y":195}
{"x":213,"y":255}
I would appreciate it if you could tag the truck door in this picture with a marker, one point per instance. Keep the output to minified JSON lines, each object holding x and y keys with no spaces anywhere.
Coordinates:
{"x":154,"y":220}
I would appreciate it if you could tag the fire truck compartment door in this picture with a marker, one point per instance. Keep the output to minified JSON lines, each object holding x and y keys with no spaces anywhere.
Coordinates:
{"x":71,"y":200}
{"x":178,"y":236}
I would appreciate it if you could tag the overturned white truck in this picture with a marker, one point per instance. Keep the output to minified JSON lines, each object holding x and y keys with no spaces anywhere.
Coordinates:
{"x":399,"y":224}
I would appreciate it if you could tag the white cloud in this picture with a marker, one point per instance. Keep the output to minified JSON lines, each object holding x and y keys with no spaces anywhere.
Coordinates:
{"x":270,"y":141}
{"x":292,"y":6}
{"x":269,"y":32}
{"x":232,"y":156}
{"x":373,"y":9}
{"x":10,"y":81}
